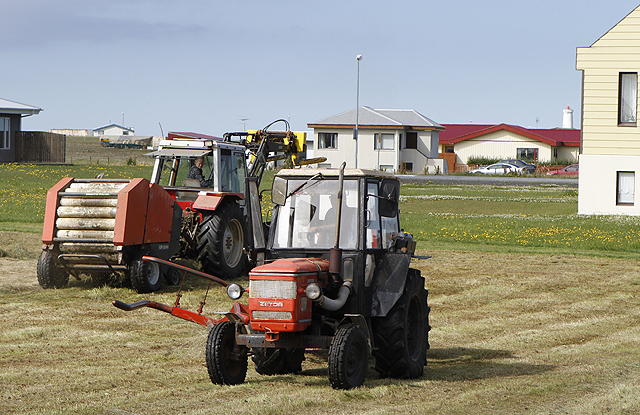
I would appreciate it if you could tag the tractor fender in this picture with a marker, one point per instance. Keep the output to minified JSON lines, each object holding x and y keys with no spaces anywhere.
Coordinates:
{"x":209,"y":201}
{"x":390,"y":276}
{"x":361,"y":321}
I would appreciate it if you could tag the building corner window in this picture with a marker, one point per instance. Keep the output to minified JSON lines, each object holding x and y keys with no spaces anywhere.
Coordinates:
{"x":627,"y":99}
{"x":626,"y":183}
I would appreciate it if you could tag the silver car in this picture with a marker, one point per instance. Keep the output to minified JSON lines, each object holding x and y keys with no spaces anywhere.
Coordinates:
{"x":498,"y":168}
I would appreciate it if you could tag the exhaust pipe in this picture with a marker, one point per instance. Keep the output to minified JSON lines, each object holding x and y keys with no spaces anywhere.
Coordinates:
{"x":335,"y":254}
{"x":335,"y":305}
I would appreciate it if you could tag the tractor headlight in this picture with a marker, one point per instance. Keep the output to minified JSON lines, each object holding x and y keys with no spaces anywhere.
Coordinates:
{"x":234,"y":291}
{"x":313,"y":291}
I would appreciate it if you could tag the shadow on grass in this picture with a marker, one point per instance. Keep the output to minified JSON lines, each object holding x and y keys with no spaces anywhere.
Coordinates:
{"x":455,"y":364}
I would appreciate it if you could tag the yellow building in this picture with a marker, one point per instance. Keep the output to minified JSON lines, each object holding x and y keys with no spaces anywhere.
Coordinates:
{"x":610,"y":146}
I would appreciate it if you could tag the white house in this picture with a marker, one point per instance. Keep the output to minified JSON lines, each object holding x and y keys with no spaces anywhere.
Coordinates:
{"x":610,"y":149}
{"x":389,"y":140}
{"x":113,"y":130}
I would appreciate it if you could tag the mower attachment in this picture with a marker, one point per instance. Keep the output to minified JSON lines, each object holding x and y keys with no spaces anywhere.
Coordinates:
{"x":238,"y":309}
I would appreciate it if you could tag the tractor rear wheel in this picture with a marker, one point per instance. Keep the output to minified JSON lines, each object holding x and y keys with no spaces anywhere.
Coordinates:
{"x":277,"y":361}
{"x":145,"y":276}
{"x":49,"y":274}
{"x":402,"y":337}
{"x":226,"y":361}
{"x":348,"y":357}
{"x":221,"y":241}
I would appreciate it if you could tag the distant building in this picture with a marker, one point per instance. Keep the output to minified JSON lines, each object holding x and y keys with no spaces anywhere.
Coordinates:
{"x":390,"y":140}
{"x":11,"y":114}
{"x":68,"y":131}
{"x":610,"y":153}
{"x":113,"y":130}
{"x":509,"y":142}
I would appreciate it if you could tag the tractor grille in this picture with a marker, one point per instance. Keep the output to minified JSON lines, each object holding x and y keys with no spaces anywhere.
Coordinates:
{"x":273,"y":289}
{"x":271,"y":315}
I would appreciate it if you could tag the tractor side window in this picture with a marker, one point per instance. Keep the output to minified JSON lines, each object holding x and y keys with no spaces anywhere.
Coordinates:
{"x":389,"y":231}
{"x":231,"y":166}
{"x":373,"y":220}
{"x":239,"y":161}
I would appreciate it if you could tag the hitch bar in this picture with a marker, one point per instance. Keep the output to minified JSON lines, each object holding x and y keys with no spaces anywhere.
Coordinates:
{"x":185,"y":269}
{"x":175,"y":311}
{"x":237,"y":309}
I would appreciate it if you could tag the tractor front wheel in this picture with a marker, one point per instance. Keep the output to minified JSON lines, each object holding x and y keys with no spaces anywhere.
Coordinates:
{"x":145,"y":276}
{"x":402,"y":337}
{"x":49,"y":274}
{"x":348,"y":357}
{"x":226,"y":361}
{"x":221,"y":241}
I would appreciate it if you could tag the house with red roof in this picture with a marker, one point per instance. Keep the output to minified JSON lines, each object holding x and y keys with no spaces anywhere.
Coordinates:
{"x":507,"y":141}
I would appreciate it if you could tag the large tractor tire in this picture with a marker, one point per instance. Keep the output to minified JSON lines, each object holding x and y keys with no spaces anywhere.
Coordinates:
{"x":49,"y":274}
{"x":145,"y":276}
{"x":221,"y":242}
{"x":402,"y":337}
{"x":277,"y":361}
{"x":226,"y":361}
{"x":348,"y":357}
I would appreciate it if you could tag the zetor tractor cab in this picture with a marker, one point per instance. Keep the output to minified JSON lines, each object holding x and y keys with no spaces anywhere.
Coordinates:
{"x":336,"y":275}
{"x":213,"y":223}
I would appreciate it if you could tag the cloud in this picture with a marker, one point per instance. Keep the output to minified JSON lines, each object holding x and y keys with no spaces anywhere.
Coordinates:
{"x":37,"y":24}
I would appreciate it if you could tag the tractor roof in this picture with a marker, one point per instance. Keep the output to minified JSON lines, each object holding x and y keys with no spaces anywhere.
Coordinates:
{"x":334,"y":173}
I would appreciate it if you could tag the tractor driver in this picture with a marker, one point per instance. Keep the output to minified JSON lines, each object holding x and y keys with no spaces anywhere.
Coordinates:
{"x":196,"y":172}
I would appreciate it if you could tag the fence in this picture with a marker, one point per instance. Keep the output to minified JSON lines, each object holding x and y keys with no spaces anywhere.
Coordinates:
{"x":40,"y":147}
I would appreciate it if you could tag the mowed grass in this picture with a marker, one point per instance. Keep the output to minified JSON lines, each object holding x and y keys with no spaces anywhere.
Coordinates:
{"x":521,"y":324}
{"x":512,"y":333}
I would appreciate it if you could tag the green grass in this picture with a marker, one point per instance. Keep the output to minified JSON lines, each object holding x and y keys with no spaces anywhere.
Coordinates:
{"x":23,"y":188}
{"x":532,"y":219}
{"x":502,"y":218}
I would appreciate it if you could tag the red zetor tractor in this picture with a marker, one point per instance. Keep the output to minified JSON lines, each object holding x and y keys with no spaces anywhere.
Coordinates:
{"x":336,"y":275}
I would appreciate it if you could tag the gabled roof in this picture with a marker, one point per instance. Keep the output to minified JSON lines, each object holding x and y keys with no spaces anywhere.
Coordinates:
{"x":555,"y":137}
{"x":113,"y":125}
{"x":12,"y":107}
{"x":372,"y":118}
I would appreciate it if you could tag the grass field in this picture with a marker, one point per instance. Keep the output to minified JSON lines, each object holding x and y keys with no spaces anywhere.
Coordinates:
{"x":534,"y":310}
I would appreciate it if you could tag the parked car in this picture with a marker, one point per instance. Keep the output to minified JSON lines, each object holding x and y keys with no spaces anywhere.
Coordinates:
{"x":528,"y":167}
{"x":498,"y":168}
{"x":570,"y":170}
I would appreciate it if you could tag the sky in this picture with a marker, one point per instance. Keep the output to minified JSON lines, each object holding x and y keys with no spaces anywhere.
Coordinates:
{"x":211,"y":66}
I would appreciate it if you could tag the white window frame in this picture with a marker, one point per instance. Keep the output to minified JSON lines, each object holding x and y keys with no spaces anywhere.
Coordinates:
{"x":627,"y":98}
{"x":5,"y":133}
{"x":522,"y":153}
{"x":322,"y":140}
{"x":384,"y":141}
{"x":625,"y":188}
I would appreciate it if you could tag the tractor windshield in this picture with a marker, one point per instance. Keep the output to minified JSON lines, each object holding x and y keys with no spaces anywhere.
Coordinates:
{"x":308,"y":217}
{"x":175,"y":171}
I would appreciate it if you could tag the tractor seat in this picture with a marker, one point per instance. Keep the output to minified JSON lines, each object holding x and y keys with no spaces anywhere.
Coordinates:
{"x":190,"y":183}
{"x":188,"y":196}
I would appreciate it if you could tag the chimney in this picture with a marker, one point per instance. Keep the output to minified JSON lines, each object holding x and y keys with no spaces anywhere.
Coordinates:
{"x":567,"y":117}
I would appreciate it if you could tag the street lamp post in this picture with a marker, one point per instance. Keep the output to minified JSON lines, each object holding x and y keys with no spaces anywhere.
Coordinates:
{"x":355,"y":130}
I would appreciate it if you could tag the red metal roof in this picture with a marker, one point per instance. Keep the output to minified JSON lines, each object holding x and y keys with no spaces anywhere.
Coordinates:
{"x":174,"y":135}
{"x":555,"y":137}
